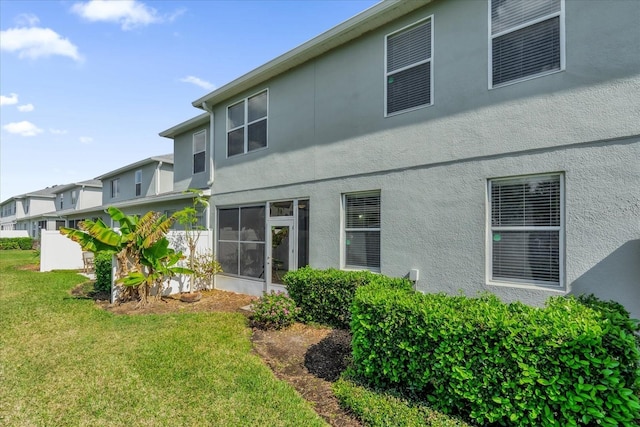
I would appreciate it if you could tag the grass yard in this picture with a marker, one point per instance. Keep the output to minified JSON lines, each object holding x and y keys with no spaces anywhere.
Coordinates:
{"x":64,"y":361}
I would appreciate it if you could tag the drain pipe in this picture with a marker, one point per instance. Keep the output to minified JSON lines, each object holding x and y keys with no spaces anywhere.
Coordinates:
{"x":211,"y":152}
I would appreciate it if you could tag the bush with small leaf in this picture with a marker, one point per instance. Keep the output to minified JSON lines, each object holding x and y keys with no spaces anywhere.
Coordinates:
{"x":325,"y":296}
{"x":274,"y":310}
{"x":103,"y":272}
{"x":508,"y":364}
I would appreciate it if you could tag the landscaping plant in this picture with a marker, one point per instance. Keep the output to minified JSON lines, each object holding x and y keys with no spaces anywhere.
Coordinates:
{"x":510,"y":364}
{"x":325,"y":296}
{"x":274,"y":310}
{"x":141,"y":247}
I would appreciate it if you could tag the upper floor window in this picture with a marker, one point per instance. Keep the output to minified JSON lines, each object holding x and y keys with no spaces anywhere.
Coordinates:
{"x":26,"y":207}
{"x":526,"y":230}
{"x":138,"y":182}
{"x":526,"y":40}
{"x":199,"y":151}
{"x":115,"y":188}
{"x":362,"y":230}
{"x":408,"y":67}
{"x":74,"y":197}
{"x":61,"y":201}
{"x":247,"y":124}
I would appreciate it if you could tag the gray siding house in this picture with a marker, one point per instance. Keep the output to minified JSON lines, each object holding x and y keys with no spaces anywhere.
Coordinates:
{"x":469,"y":145}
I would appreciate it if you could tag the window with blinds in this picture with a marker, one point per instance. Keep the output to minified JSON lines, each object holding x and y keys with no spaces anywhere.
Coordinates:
{"x":408,"y":68}
{"x":199,"y":151}
{"x":526,"y":230}
{"x":362,"y":231}
{"x":138,"y":182}
{"x":526,"y":39}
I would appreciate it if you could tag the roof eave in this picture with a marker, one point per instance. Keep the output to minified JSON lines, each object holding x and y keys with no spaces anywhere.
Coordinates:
{"x":368,"y":20}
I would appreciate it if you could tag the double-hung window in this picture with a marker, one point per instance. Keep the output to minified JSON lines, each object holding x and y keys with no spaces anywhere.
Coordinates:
{"x":61,"y":201}
{"x":115,"y":188}
{"x":199,"y":151}
{"x":138,"y":182}
{"x":74,"y":197}
{"x":362,"y":231}
{"x":526,"y":230}
{"x":409,"y":68}
{"x":526,"y":39}
{"x":247,"y":124}
{"x":241,"y":241}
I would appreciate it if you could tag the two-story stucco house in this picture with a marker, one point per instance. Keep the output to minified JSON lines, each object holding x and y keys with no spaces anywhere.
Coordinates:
{"x":76,"y":197}
{"x":146,"y":185}
{"x":29,"y":212}
{"x":489,"y":145}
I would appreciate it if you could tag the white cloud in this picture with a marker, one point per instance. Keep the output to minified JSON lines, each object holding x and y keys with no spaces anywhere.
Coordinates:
{"x":26,"y":108}
{"x":198,"y":82}
{"x":23,"y":128}
{"x":37,"y":42}
{"x":86,"y":139}
{"x":9,"y":100}
{"x":128,"y":13}
{"x":27,"y":20}
{"x":58,"y":131}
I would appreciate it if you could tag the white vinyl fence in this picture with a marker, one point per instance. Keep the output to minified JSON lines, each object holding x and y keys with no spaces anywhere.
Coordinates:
{"x":58,"y":252}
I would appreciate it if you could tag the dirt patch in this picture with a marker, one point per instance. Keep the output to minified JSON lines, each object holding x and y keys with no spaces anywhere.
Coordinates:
{"x":309,"y":358}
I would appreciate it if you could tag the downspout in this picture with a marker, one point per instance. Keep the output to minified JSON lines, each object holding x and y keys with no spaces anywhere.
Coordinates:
{"x":211,"y":152}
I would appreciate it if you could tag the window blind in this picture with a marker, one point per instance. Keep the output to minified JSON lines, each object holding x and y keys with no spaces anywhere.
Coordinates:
{"x":408,"y":68}
{"x":525,"y":229}
{"x":362,"y":230}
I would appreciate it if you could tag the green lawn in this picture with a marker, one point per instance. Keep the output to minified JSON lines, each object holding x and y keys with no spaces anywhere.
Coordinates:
{"x":66,"y":362}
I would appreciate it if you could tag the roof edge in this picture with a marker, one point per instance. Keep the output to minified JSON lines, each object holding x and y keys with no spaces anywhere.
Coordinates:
{"x":367,"y":20}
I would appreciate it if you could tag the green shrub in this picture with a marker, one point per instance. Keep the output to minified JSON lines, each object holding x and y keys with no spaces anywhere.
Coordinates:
{"x":384,"y":409}
{"x":509,"y":364}
{"x":325,"y":296}
{"x":274,"y":310}
{"x":103,"y":272}
{"x":23,"y":243}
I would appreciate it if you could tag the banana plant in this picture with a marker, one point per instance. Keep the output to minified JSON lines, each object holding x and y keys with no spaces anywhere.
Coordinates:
{"x":145,"y":260}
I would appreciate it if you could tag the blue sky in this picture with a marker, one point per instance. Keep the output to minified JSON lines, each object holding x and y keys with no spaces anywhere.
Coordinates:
{"x":87,"y":86}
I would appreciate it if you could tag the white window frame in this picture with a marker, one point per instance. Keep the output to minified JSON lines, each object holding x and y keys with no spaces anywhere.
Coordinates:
{"x":74,"y":197}
{"x":246,"y":123}
{"x":137,"y":178}
{"x":345,"y":230}
{"x":430,"y":60}
{"x":204,"y":150}
{"x":560,"y":14}
{"x":61,"y":201}
{"x":519,"y":283}
{"x":115,"y":188}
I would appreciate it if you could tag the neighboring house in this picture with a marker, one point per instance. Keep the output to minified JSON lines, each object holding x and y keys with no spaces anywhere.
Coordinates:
{"x":147,"y":185}
{"x":72,"y":200}
{"x":489,"y":145}
{"x":28,"y":212}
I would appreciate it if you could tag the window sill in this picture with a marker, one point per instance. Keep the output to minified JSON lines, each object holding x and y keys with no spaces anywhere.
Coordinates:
{"x":550,"y":288}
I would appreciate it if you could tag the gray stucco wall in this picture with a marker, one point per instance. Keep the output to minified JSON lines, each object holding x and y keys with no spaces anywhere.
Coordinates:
{"x":183,"y":176}
{"x":150,"y":176}
{"x":327,"y":136}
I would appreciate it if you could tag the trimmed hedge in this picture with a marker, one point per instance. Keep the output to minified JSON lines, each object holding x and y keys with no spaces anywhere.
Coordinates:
{"x":23,"y":243}
{"x":102,"y":265}
{"x":325,"y":296}
{"x":377,"y":409}
{"x":510,"y":364}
